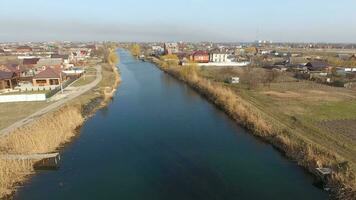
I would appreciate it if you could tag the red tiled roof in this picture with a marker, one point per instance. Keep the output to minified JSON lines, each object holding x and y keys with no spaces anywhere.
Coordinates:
{"x":9,"y":68}
{"x":24,"y":47}
{"x":48,"y":73}
{"x":200,"y":53}
{"x":30,"y":61}
{"x":6,"y":75}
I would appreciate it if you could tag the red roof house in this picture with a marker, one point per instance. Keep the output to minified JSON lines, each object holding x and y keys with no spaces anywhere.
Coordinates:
{"x":200,"y":57}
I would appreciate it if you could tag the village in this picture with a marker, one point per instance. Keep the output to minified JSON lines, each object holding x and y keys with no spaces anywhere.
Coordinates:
{"x":27,"y":70}
{"x":331,"y":64}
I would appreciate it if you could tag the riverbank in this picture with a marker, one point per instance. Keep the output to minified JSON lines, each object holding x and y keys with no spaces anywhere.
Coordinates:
{"x":63,"y":124}
{"x":307,"y":153}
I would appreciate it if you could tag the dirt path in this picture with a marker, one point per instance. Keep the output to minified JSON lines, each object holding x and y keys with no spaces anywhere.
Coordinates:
{"x":71,"y":95}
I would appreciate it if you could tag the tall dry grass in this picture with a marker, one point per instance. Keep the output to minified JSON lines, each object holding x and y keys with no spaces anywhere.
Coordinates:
{"x":11,"y":173}
{"x":308,"y":154}
{"x":110,"y":91}
{"x":44,"y":135}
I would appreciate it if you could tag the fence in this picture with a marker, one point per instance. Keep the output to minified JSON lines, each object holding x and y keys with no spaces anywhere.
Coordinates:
{"x":22,"y":98}
{"x":57,"y":89}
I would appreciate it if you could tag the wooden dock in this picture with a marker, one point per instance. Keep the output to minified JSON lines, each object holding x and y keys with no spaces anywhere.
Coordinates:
{"x":42,"y":161}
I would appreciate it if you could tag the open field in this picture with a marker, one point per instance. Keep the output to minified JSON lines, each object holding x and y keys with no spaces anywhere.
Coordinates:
{"x":323,"y":114}
{"x":8,"y":59}
{"x":12,"y":112}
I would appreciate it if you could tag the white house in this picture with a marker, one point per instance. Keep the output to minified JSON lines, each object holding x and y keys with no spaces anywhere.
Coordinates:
{"x":218,"y":57}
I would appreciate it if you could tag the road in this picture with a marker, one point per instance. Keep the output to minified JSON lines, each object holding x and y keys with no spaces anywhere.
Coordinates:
{"x":71,"y":95}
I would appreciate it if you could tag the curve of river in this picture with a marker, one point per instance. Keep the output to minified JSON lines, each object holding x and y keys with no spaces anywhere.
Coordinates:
{"x":160,"y":140}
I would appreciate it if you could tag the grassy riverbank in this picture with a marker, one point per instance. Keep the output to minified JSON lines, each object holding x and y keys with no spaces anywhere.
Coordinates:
{"x":52,"y":130}
{"x":309,"y":151}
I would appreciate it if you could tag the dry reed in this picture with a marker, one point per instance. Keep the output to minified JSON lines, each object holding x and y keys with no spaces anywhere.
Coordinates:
{"x":44,"y":135}
{"x":11,"y":173}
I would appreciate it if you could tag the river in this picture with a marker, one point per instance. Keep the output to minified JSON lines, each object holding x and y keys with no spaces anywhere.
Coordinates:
{"x":160,"y":140}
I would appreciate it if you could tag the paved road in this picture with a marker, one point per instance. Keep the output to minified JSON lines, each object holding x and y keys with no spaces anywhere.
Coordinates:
{"x":72,"y":94}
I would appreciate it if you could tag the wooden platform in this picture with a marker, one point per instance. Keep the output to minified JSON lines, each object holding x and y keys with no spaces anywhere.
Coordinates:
{"x":42,"y":161}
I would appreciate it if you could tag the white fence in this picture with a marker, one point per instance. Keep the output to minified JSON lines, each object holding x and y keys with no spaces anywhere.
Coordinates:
{"x":225,"y":64}
{"x":22,"y":98}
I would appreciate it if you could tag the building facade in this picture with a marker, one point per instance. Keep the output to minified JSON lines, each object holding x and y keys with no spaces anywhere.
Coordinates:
{"x":218,"y":57}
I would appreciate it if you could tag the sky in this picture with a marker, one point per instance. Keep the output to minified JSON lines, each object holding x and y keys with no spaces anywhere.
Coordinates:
{"x":178,"y":20}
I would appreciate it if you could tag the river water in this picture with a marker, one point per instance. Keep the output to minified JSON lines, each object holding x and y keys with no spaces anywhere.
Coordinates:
{"x":160,"y":140}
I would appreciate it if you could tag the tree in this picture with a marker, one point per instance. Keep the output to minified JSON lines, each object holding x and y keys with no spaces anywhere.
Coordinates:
{"x":135,"y":50}
{"x":170,"y":60}
{"x":190,"y":69}
{"x":113,"y":58}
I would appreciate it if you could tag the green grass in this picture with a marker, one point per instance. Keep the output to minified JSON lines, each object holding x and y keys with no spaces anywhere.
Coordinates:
{"x":332,"y":111}
{"x":84,"y":80}
{"x":12,"y":112}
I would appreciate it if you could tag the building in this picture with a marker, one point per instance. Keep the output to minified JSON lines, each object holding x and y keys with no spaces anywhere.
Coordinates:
{"x":47,"y":77}
{"x":200,"y":57}
{"x":11,"y":68}
{"x":64,"y":57}
{"x":49,"y":62}
{"x":8,"y":80}
{"x":30,"y":62}
{"x":158,"y":50}
{"x":171,"y":48}
{"x":317,"y":66}
{"x":23,"y":49}
{"x":218,"y":57}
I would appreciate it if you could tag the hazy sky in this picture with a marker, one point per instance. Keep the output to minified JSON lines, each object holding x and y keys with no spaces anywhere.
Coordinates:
{"x":175,"y":20}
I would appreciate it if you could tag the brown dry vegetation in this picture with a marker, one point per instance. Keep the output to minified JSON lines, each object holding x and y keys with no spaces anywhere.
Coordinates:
{"x":290,"y":134}
{"x":44,"y":135}
{"x":52,"y":131}
{"x":11,"y":173}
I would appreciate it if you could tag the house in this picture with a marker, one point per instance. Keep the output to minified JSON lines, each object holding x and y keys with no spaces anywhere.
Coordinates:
{"x":157,"y":50}
{"x":49,"y":62}
{"x":218,"y":57}
{"x":347,"y":57}
{"x":171,"y":48}
{"x":316,"y":65}
{"x":30,"y":62}
{"x":8,"y":80}
{"x":353,"y":57}
{"x":47,"y":77}
{"x":200,"y":57}
{"x":11,"y":68}
{"x":64,"y":57}
{"x":23,"y":49}
{"x":297,"y":61}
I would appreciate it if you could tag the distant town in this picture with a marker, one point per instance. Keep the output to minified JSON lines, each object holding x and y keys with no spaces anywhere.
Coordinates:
{"x":45,"y":66}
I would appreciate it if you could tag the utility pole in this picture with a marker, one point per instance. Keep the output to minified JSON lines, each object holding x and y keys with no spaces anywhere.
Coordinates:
{"x":60,"y":81}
